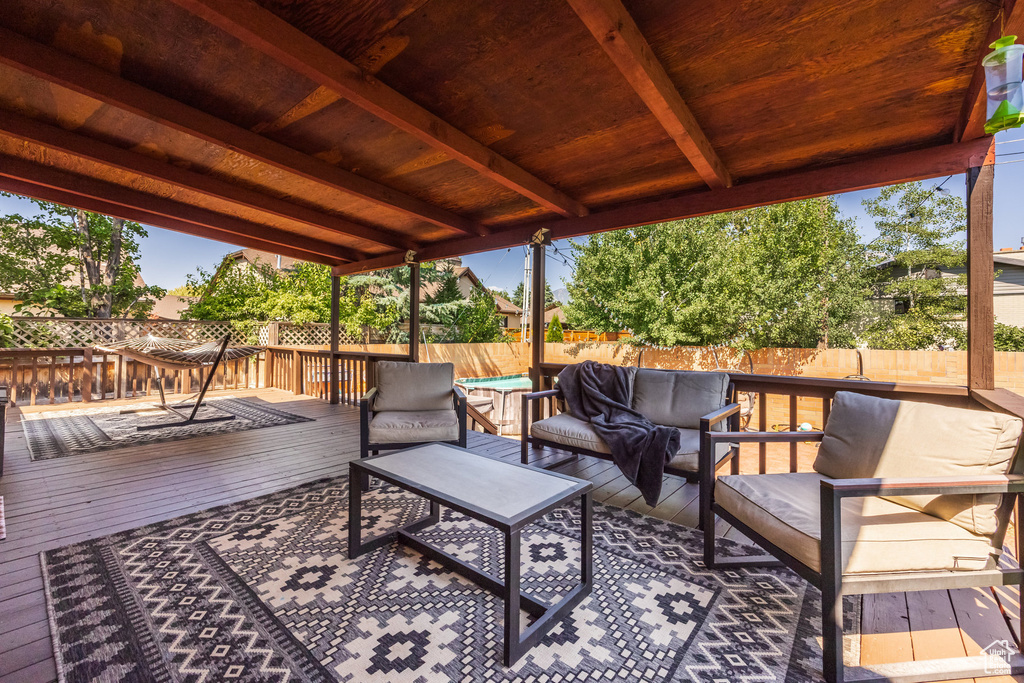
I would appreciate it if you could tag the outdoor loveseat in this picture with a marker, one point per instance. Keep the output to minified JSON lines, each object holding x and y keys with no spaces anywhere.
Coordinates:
{"x":412,"y":404}
{"x":688,"y":400}
{"x":904,"y":496}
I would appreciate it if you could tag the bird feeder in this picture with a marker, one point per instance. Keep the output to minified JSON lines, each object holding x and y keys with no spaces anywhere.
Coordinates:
{"x":1003,"y":74}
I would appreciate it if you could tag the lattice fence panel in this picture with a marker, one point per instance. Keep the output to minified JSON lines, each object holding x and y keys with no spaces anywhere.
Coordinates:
{"x":72,"y":332}
{"x":311,"y":334}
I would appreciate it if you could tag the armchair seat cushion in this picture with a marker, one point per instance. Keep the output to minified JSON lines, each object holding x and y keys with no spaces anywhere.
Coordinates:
{"x":414,"y":426}
{"x":572,"y":432}
{"x":878,"y":535}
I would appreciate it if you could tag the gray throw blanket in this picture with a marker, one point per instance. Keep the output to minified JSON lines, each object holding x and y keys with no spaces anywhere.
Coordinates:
{"x":602,"y":394}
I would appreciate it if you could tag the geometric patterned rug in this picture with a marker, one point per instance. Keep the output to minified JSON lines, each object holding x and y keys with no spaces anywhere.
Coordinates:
{"x":89,"y":430}
{"x":263,"y":590}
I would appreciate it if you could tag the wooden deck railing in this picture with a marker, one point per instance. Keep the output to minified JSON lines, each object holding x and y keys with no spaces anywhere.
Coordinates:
{"x":37,"y":376}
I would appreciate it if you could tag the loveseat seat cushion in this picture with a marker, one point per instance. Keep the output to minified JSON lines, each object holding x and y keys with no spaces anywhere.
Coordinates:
{"x":679,"y":398}
{"x":878,"y":535}
{"x":414,"y":426}
{"x":414,"y":386}
{"x":569,"y":431}
{"x":876,"y":437}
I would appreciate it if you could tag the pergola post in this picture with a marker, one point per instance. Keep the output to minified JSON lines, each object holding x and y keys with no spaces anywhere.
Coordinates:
{"x":537,"y":314}
{"x":414,"y":313}
{"x":335,"y":314}
{"x":980,"y":276}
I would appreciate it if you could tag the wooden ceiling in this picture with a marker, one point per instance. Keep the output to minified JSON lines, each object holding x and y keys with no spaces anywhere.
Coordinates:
{"x":350,"y":133}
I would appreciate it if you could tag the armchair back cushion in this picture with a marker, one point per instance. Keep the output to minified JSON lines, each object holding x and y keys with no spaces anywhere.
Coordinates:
{"x":414,"y":386}
{"x":676,"y":398}
{"x":877,"y":437}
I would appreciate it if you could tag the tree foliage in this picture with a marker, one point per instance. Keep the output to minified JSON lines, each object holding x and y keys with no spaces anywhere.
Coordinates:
{"x":73,"y":263}
{"x":554,"y":335}
{"x":516,"y":296}
{"x":919,"y":241}
{"x":783,"y":275}
{"x":6,"y":332}
{"x":1009,"y":338}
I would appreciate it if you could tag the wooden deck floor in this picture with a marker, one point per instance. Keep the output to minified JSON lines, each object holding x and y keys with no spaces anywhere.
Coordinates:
{"x":56,"y":502}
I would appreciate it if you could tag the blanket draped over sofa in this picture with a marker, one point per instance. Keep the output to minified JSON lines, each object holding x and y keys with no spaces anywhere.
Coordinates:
{"x":602,"y":394}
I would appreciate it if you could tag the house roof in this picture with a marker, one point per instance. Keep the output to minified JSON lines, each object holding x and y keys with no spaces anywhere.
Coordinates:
{"x":507,"y":307}
{"x":170,"y":306}
{"x":254,"y":256}
{"x":351,"y":133}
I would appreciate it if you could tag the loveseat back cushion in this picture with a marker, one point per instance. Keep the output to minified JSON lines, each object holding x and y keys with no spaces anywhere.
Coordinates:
{"x":414,"y":386}
{"x":677,"y":398}
{"x":876,"y":437}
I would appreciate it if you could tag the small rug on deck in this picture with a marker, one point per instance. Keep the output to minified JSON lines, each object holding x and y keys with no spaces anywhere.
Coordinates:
{"x":263,"y":590}
{"x":88,"y":430}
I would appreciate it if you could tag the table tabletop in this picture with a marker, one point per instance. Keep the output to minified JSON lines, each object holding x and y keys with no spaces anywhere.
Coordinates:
{"x":504,"y":491}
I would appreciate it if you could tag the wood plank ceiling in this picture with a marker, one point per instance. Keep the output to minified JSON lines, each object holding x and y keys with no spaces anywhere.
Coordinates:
{"x":350,"y":133}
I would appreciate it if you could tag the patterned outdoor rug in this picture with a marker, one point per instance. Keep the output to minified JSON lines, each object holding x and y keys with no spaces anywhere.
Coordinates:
{"x":88,"y":430}
{"x":263,"y":590}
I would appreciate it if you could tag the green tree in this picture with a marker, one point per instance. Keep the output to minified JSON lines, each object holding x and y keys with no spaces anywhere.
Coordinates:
{"x":1009,"y":338}
{"x":74,"y":263}
{"x":554,"y":335}
{"x":517,"y":296}
{"x":918,"y":238}
{"x":480,"y":322}
{"x":782,"y":275}
{"x":183,"y":290}
{"x":6,"y":332}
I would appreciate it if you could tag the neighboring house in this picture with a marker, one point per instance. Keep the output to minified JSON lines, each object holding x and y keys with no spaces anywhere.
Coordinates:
{"x":7,"y":303}
{"x":170,"y":307}
{"x":1008,"y":295}
{"x":550,"y":312}
{"x":254,"y":256}
{"x":511,"y":315}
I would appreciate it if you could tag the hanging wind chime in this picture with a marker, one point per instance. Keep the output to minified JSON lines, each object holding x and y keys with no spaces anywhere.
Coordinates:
{"x":1003,"y":74}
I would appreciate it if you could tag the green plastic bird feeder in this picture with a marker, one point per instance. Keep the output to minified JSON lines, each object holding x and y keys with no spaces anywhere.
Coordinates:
{"x":1003,"y":73}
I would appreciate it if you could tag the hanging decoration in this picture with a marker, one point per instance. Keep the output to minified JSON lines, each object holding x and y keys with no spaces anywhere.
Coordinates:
{"x":1003,"y":75}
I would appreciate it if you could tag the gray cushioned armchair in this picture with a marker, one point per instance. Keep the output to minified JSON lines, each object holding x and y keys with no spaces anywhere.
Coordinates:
{"x":412,"y":404}
{"x":904,"y":496}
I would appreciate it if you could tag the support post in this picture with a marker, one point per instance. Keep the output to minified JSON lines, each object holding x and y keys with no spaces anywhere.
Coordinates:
{"x":980,"y":276}
{"x":414,"y":313}
{"x":335,"y":314}
{"x":86,"y":380}
{"x":537,"y":317}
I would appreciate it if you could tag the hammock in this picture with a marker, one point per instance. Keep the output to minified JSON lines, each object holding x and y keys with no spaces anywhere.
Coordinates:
{"x":178,"y":354}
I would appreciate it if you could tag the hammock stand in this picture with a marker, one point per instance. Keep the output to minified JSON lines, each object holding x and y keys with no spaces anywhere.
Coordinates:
{"x":178,"y":354}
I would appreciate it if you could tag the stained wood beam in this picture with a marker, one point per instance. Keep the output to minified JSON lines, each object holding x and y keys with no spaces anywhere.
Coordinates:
{"x":82,"y":147}
{"x":818,"y":182}
{"x":262,"y":30}
{"x":981,"y":373}
{"x":619,"y":36}
{"x":55,"y":67}
{"x":50,"y":184}
{"x":970,"y":124}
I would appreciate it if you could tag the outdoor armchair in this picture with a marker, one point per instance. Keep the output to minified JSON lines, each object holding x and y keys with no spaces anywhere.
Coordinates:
{"x":690,"y":401}
{"x":905,"y":496}
{"x":412,"y":404}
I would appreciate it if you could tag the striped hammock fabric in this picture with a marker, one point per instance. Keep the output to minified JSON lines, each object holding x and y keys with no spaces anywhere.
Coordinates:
{"x":175,"y":354}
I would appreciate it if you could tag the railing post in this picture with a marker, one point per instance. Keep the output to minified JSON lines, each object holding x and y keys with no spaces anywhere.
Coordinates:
{"x":980,"y":275}
{"x":296,"y":372}
{"x":414,"y":313}
{"x":335,"y":324}
{"x":537,"y":315}
{"x":85,"y":381}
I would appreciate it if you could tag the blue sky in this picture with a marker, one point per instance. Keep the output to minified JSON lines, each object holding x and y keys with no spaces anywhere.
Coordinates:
{"x":168,"y":256}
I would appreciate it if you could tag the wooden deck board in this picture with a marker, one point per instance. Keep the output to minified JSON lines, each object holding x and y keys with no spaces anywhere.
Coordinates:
{"x":56,"y":502}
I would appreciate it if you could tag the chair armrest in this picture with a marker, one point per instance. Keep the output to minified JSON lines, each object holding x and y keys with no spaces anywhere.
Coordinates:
{"x":719,"y":415}
{"x":764,"y":437}
{"x":368,"y":398}
{"x":547,"y":393}
{"x":460,"y":395}
{"x":908,"y":486}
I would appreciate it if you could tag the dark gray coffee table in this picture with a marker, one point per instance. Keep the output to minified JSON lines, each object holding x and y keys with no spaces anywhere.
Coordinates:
{"x":506,"y":496}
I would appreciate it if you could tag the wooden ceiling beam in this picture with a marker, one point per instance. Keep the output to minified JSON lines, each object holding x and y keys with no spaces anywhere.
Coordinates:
{"x":51,"y":184}
{"x":52,"y":66}
{"x":55,"y":138}
{"x":803,"y":184}
{"x":262,"y":30}
{"x":613,"y":27}
{"x":970,"y":124}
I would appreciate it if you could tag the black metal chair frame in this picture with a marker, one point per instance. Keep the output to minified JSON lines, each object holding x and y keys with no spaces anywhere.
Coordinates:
{"x":366,"y":449}
{"x":730,"y":412}
{"x":834,"y":584}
